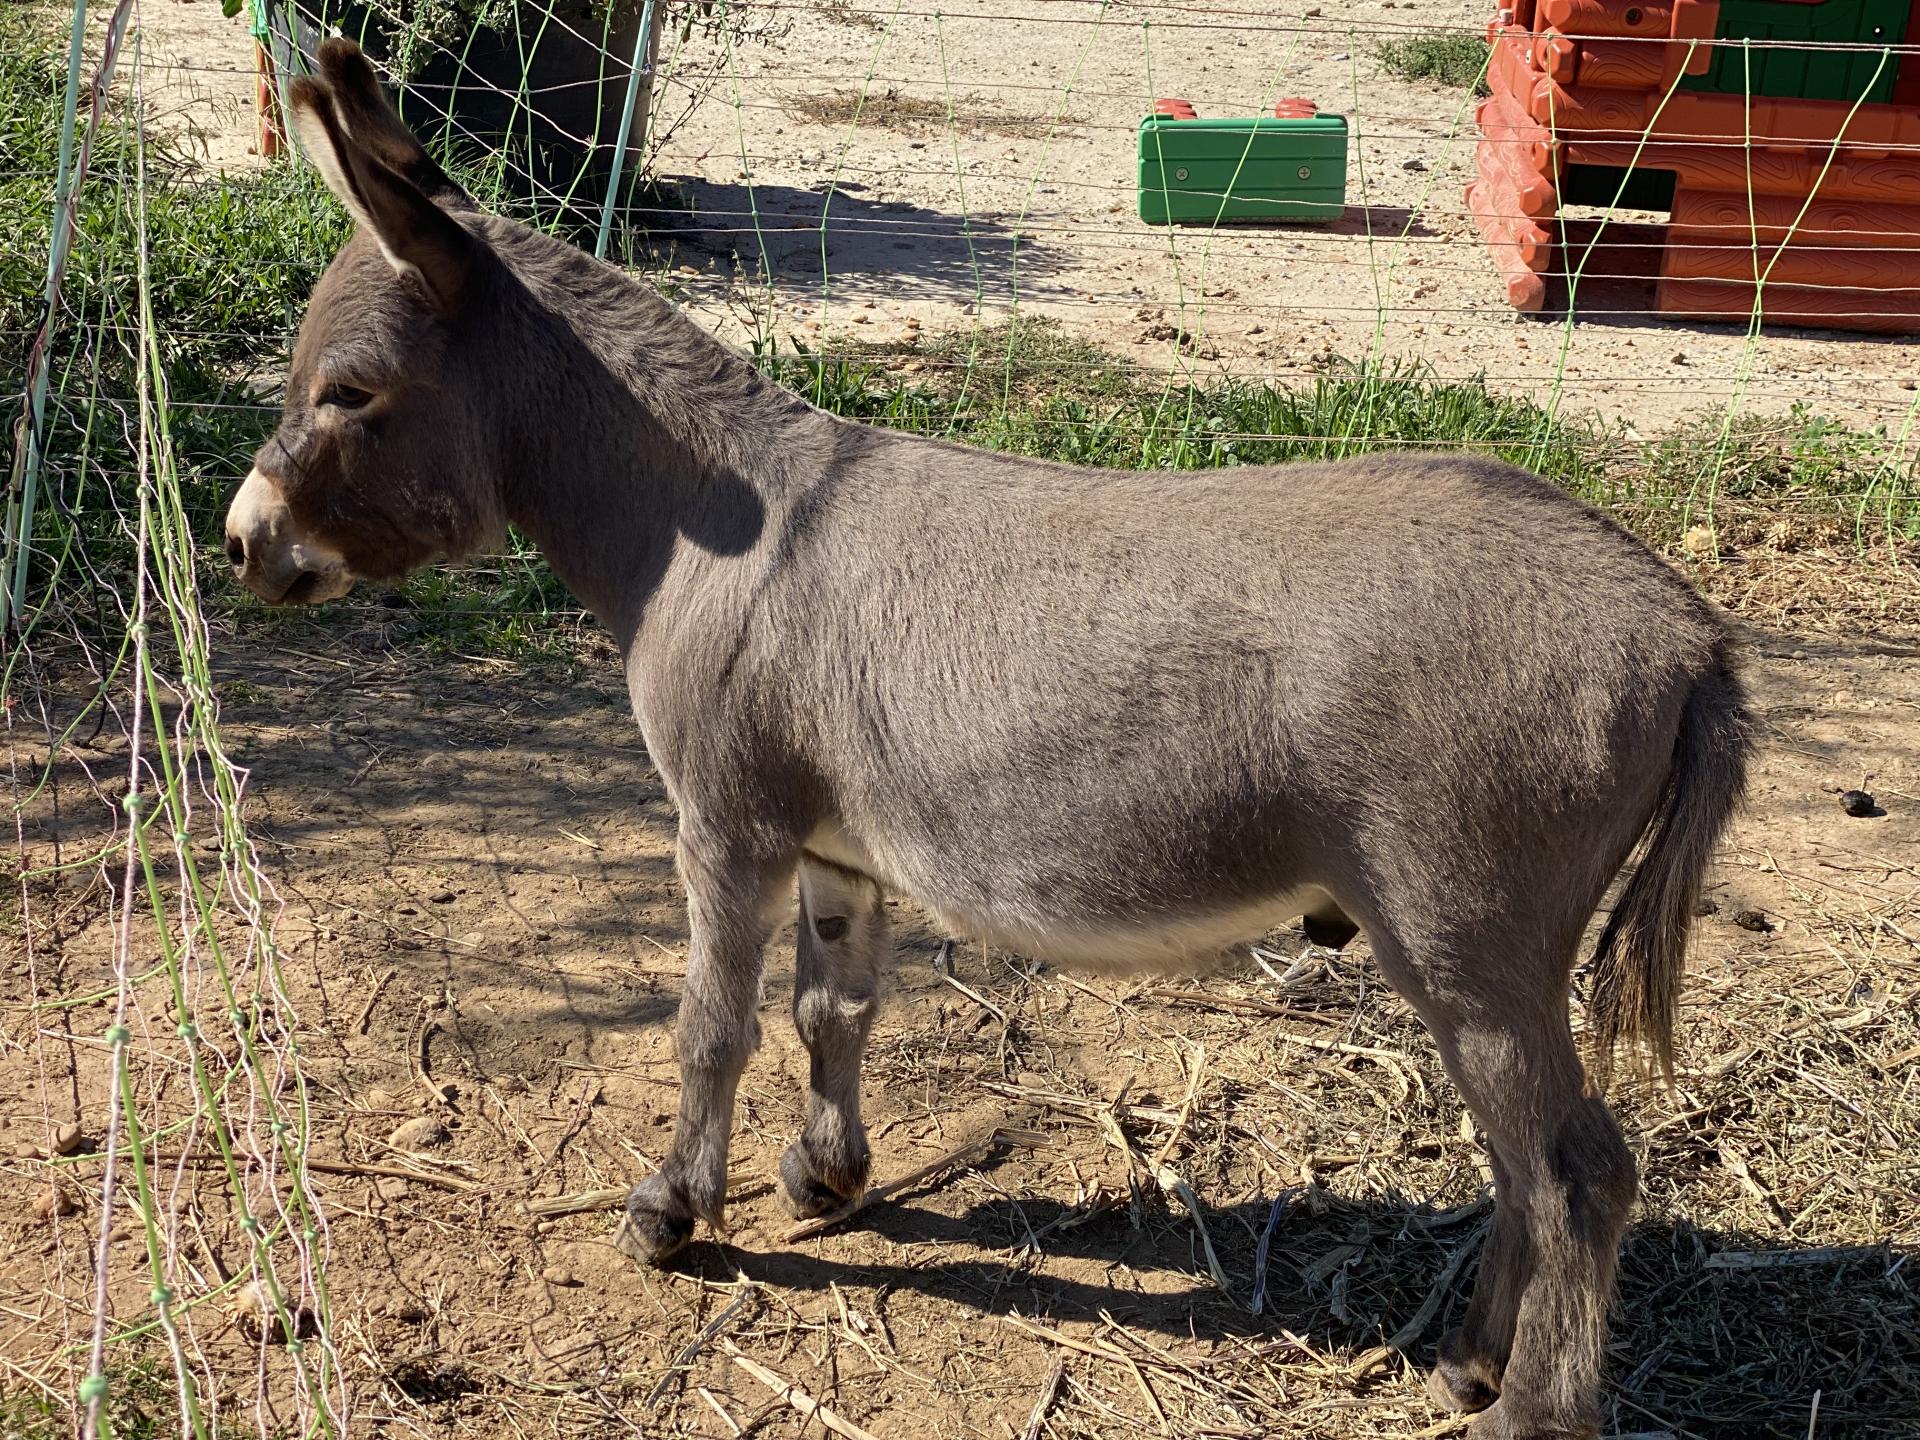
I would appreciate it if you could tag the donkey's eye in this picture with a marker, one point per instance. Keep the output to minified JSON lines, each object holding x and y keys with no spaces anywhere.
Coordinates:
{"x":345,"y":397}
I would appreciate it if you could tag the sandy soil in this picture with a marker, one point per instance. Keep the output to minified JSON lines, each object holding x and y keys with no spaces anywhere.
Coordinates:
{"x":475,"y":865}
{"x":925,"y":223}
{"x":902,"y":223}
{"x":197,"y":74}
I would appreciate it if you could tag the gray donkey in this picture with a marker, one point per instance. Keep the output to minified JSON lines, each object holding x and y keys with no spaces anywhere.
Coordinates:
{"x":1105,"y":718}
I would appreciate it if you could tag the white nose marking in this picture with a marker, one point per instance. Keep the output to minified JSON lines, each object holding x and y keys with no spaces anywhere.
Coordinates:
{"x":257,"y":513}
{"x":272,"y":552}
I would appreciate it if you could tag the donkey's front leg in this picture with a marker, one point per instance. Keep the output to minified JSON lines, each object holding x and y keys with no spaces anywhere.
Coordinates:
{"x":728,"y":903}
{"x":842,"y":940}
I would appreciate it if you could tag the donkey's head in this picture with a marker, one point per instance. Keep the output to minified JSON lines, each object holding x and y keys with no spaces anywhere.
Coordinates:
{"x":385,"y":456}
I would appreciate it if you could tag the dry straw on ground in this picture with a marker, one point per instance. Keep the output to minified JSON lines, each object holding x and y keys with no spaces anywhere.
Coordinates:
{"x":481,"y":926}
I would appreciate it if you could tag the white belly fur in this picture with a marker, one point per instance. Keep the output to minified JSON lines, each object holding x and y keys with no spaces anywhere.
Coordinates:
{"x":1183,"y":942}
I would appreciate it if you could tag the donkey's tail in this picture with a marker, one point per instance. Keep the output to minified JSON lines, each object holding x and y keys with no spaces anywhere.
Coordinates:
{"x":1641,"y":958}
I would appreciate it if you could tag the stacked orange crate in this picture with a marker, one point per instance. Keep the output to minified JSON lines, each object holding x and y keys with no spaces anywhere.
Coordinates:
{"x":1811,"y":205}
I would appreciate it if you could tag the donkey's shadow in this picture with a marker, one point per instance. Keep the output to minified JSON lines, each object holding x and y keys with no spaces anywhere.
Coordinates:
{"x":849,"y":240}
{"x":1715,"y":1333}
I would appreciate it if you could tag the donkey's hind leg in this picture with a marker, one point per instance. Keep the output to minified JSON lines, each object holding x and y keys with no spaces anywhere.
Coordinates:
{"x":1536,"y":1328}
{"x":843,"y":939}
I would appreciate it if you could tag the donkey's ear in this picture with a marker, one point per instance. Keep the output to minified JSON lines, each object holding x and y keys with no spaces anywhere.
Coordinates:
{"x":420,"y":240}
{"x":372,"y":124}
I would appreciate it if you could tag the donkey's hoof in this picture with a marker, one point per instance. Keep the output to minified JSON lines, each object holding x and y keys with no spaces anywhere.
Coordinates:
{"x":1461,"y":1380}
{"x":1497,"y":1423}
{"x":1451,"y":1387}
{"x":807,"y":1191}
{"x":658,"y":1223}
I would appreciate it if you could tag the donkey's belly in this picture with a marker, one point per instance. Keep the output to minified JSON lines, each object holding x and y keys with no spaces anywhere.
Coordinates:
{"x":1152,"y":932}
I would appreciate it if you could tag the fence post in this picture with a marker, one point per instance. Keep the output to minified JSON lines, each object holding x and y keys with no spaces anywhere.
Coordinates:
{"x":24,"y":491}
{"x":642,"y":65}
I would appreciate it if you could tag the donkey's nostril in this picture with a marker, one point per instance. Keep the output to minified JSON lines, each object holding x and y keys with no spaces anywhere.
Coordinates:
{"x":237,"y":552}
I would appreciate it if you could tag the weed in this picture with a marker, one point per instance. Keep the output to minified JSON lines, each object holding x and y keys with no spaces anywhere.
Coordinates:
{"x":141,"y":1404}
{"x":1453,"y":58}
{"x":919,"y":115}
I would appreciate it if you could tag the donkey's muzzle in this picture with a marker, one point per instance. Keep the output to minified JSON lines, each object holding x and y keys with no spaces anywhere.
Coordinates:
{"x":272,"y":556}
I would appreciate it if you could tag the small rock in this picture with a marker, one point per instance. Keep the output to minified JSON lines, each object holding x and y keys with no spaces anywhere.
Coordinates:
{"x":1416,"y":164}
{"x":380,"y":1099}
{"x":1753,"y":920}
{"x":1679,"y":357}
{"x":25,"y":1150}
{"x":54,"y":1201}
{"x":1706,"y":907}
{"x":558,"y":1275}
{"x":424,"y":1132}
{"x":443,"y":897}
{"x":1698,"y":542}
{"x":66,"y":1139}
{"x":1859,"y":804}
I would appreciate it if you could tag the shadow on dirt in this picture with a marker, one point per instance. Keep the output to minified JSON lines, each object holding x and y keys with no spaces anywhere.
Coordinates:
{"x":1715,"y":1333}
{"x":854,"y":240}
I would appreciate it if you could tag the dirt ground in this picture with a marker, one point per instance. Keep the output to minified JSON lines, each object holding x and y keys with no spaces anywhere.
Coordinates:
{"x":899,"y":224}
{"x":480,"y":926}
{"x":196,"y":70}
{"x":474,"y":863}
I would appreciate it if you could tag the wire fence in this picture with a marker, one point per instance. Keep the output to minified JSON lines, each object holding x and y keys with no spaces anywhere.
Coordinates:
{"x":923,"y":217}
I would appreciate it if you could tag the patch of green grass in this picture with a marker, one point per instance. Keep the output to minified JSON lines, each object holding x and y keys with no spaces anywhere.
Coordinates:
{"x":141,"y":1404}
{"x":1068,"y":400}
{"x":1453,"y":58}
{"x":511,"y":609}
{"x":1029,"y":360}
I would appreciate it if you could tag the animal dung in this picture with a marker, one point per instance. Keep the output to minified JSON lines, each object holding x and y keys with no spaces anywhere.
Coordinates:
{"x":56,"y":1200}
{"x":259,"y":1318}
{"x":1753,"y":920}
{"x":1859,"y":804}
{"x":423,"y":1132}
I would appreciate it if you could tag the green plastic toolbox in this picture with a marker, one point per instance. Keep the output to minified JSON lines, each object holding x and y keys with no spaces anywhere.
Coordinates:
{"x":1291,"y":165}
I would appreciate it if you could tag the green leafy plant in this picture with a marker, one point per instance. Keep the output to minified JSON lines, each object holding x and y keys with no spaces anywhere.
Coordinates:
{"x":1448,"y":57}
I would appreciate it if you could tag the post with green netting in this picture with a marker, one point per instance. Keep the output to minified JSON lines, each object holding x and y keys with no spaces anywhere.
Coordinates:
{"x":641,"y":69}
{"x":23,"y":493}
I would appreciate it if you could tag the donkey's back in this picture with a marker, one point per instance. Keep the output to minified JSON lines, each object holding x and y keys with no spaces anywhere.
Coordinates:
{"x":1125,"y":717}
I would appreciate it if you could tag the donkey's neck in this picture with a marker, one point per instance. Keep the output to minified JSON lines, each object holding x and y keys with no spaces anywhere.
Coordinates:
{"x":647,"y":447}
